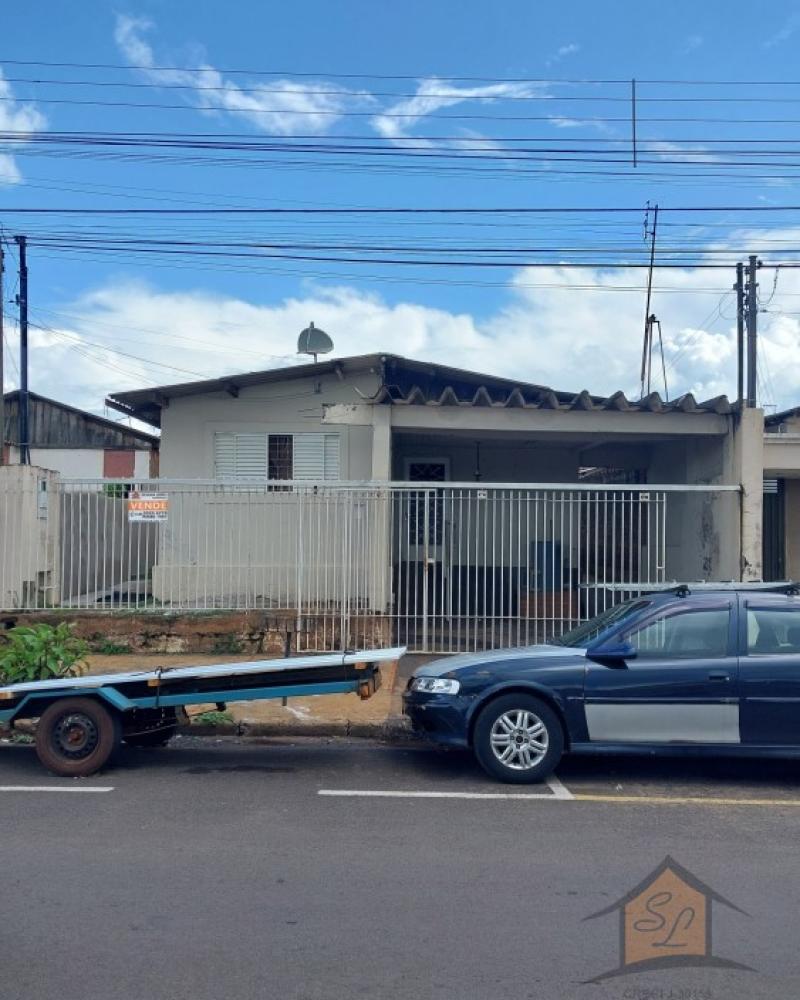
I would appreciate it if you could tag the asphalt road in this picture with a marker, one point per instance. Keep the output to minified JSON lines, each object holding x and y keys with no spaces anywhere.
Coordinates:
{"x":217,"y":869}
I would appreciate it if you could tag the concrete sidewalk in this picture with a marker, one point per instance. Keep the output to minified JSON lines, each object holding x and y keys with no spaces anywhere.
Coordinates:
{"x":344,"y":714}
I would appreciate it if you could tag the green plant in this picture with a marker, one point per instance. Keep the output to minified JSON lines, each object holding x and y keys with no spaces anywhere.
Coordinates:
{"x":227,"y":644}
{"x":117,"y":491}
{"x":21,"y":739}
{"x":39,"y":652}
{"x":212,"y":718}
{"x":109,"y":648}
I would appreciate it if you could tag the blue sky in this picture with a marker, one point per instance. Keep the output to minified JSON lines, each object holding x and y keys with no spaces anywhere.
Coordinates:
{"x":110,"y":321}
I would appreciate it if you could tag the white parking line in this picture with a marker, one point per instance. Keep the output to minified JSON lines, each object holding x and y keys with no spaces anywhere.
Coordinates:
{"x":55,"y":788}
{"x":560,"y":790}
{"x":557,"y":793}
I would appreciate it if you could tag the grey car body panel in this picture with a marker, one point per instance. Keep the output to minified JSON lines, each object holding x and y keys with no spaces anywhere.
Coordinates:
{"x":666,"y":723}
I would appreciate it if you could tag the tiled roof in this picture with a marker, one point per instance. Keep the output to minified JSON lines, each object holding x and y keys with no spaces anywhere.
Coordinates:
{"x":543,"y":398}
{"x":406,"y":381}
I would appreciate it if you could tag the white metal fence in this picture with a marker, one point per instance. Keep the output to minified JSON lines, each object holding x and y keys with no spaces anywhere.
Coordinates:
{"x":440,"y":567}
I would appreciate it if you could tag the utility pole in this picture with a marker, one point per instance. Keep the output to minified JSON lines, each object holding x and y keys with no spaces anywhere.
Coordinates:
{"x":2,"y":352}
{"x":739,"y":289}
{"x":752,"y":333}
{"x":647,"y":349}
{"x":22,"y":302}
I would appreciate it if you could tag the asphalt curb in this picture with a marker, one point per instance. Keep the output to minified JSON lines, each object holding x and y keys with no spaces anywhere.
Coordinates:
{"x":390,"y":730}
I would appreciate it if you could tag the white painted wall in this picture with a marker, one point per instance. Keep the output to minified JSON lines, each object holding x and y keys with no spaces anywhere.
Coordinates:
{"x":79,"y":463}
{"x":29,"y":537}
{"x":70,"y":462}
{"x":188,"y":424}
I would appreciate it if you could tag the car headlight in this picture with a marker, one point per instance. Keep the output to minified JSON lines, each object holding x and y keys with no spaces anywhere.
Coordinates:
{"x":435,"y":685}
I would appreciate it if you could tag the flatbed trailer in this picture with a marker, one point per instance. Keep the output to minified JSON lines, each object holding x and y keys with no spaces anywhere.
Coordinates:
{"x":83,"y":720}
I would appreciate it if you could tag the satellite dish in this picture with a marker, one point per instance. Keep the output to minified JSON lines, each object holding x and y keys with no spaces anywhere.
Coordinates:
{"x":314,"y":341}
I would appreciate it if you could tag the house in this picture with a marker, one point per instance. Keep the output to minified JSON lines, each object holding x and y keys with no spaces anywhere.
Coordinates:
{"x":76,"y":443}
{"x":387,"y":418}
{"x":446,"y":499}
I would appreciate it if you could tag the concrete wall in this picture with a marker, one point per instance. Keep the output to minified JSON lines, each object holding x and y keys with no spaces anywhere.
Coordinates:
{"x":103,"y":557}
{"x":79,"y":463}
{"x":702,"y":530}
{"x":221,"y":633}
{"x":499,"y":461}
{"x":304,"y":547}
{"x":189,"y":423}
{"x":29,"y":537}
{"x":792,"y":507}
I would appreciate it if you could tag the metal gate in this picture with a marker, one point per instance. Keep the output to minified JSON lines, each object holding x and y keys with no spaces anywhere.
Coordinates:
{"x":477,"y":568}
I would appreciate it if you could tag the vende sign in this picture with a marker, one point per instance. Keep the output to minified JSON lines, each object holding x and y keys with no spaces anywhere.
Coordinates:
{"x":148,"y":507}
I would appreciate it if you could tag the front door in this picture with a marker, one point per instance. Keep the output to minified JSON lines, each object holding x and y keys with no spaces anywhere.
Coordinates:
{"x":422,"y":591}
{"x":682,"y":685}
{"x":769,"y":670}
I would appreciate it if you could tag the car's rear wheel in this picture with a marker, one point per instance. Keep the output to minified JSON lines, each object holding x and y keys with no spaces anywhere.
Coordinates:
{"x":518,"y":738}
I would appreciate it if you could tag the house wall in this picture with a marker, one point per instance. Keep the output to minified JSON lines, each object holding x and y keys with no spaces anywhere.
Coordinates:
{"x":29,"y":537}
{"x":79,"y":463}
{"x":261,"y":534}
{"x":189,"y":423}
{"x":702,"y":529}
{"x":792,"y":508}
{"x":499,"y":461}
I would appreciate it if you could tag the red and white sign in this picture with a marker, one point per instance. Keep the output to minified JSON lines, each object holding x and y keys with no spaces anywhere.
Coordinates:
{"x":148,"y":507}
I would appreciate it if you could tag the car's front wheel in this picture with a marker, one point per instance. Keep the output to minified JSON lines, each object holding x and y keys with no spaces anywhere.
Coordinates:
{"x":518,"y":738}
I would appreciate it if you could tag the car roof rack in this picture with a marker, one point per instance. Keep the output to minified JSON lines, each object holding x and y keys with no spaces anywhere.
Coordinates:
{"x":701,"y":586}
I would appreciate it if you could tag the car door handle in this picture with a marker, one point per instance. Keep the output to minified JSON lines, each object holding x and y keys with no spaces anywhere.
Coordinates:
{"x":719,"y":675}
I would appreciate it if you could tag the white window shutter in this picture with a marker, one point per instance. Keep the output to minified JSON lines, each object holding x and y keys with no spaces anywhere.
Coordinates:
{"x":308,"y":456}
{"x":240,"y":456}
{"x":224,"y":456}
{"x":316,"y":456}
{"x":331,"y":456}
{"x":251,"y":456}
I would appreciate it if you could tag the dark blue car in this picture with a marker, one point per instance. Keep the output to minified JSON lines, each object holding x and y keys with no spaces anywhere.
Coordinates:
{"x":713,"y":669}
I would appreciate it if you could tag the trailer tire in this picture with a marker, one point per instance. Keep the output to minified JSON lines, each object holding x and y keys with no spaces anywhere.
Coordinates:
{"x":76,"y":737}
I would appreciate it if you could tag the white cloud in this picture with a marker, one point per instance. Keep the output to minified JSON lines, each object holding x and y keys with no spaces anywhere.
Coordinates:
{"x":15,"y":116}
{"x":567,"y":336}
{"x":785,"y":32}
{"x":691,"y":43}
{"x":683,"y":152}
{"x":397,"y":121}
{"x":562,"y":52}
{"x":279,"y":106}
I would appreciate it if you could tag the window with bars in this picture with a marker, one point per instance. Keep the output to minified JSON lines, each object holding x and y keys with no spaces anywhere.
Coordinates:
{"x":306,"y":456}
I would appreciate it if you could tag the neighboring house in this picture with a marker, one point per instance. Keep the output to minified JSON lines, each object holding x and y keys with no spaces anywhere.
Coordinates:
{"x":78,"y":444}
{"x":782,"y":495}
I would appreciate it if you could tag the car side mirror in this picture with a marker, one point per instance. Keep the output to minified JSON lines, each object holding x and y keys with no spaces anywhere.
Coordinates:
{"x":612,"y":654}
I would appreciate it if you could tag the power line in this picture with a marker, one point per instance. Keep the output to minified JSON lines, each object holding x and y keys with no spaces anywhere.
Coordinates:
{"x":413,"y":116}
{"x":406,"y":210}
{"x":396,"y":76}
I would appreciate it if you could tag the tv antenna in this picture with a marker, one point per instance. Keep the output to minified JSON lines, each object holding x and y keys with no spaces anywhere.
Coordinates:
{"x":314,"y":341}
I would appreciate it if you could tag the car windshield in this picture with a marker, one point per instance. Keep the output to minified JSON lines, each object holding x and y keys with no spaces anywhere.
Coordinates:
{"x":583,"y":634}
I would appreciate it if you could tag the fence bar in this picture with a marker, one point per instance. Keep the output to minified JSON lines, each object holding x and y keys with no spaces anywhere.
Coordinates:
{"x":439,"y":567}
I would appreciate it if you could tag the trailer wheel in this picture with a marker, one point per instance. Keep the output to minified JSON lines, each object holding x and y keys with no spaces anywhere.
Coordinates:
{"x":76,"y":737}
